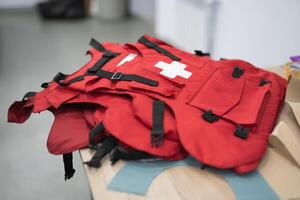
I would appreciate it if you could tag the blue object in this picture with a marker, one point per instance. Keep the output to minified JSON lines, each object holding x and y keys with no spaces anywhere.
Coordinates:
{"x":136,"y":177}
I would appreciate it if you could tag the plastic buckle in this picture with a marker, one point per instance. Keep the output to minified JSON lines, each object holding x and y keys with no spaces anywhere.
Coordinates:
{"x":241,"y":132}
{"x":117,"y":76}
{"x":157,"y":138}
{"x":209,"y":116}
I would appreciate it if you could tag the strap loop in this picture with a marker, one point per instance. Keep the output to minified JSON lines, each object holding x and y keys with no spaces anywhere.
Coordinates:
{"x":97,"y":45}
{"x":201,"y":53}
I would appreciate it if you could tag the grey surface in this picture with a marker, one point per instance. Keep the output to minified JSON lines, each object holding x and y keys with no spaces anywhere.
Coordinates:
{"x":33,"y":51}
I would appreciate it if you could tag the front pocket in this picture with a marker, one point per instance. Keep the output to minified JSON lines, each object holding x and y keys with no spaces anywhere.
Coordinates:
{"x":236,"y":99}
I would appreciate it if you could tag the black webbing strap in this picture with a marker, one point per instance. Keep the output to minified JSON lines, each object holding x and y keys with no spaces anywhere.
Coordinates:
{"x":119,"y":76}
{"x":68,"y":165}
{"x":27,"y":95}
{"x":122,"y":154}
{"x":97,"y":45}
{"x":157,"y":48}
{"x":73,"y":80}
{"x":106,"y":147}
{"x":263,"y":82}
{"x":104,"y":59}
{"x":93,"y":133}
{"x":157,"y":133}
{"x":57,"y":78}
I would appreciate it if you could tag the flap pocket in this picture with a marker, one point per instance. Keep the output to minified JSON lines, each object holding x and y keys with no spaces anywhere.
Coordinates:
{"x":236,"y":99}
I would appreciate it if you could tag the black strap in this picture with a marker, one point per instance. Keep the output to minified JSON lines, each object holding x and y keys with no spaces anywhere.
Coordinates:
{"x":122,"y":154}
{"x":104,"y":59}
{"x":241,"y":132}
{"x":73,"y":80}
{"x":263,"y":82}
{"x":68,"y":165}
{"x":27,"y":95}
{"x":93,"y":133}
{"x":106,"y":147}
{"x":201,"y":53}
{"x":97,"y":45}
{"x":237,"y":72}
{"x":209,"y":116}
{"x":57,"y":78}
{"x":125,"y":77}
{"x":157,"y":133}
{"x":157,"y":48}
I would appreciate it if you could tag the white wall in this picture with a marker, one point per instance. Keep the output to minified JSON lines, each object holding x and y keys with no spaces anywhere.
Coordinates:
{"x":264,"y":32}
{"x":143,"y":9}
{"x":187,"y":23}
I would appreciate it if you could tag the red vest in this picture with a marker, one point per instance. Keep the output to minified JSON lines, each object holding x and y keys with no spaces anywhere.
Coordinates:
{"x":220,"y":111}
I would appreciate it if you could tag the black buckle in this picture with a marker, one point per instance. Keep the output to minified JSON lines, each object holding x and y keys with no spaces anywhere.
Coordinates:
{"x":209,"y":116}
{"x":237,"y":72}
{"x":241,"y":132}
{"x":156,"y":138}
{"x":117,"y":76}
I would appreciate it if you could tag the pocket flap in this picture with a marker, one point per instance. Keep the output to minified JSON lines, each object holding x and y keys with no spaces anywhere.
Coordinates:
{"x":220,"y":93}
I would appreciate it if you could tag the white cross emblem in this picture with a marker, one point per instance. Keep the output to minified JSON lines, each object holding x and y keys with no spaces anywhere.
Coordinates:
{"x":173,"y":69}
{"x":128,"y":58}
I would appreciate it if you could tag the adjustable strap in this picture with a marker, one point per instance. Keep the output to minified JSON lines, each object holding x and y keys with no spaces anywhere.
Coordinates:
{"x":119,"y":76}
{"x":100,"y":63}
{"x":122,"y":154}
{"x":106,"y":147}
{"x":157,"y":48}
{"x":93,"y":133}
{"x":201,"y":53}
{"x":157,"y":133}
{"x":97,"y":45}
{"x":27,"y":95}
{"x":68,"y":165}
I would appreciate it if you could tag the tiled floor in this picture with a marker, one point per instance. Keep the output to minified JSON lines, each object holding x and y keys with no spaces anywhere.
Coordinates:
{"x":33,"y":51}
